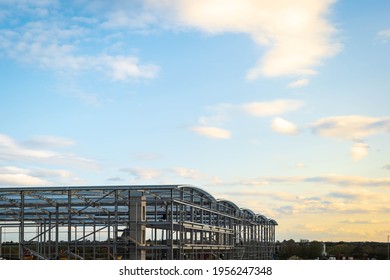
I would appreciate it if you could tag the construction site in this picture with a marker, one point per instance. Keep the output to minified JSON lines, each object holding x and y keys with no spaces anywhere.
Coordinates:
{"x":152,"y":222}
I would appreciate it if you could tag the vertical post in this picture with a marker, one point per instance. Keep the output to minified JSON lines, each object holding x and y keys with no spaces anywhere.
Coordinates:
{"x":115,"y":252}
{"x":84,"y":240}
{"x":49,"y":235}
{"x":69,"y":222}
{"x":109,"y":235}
{"x":39,"y":238}
{"x":136,"y":231}
{"x":57,"y":230}
{"x":1,"y":241}
{"x":94,"y":239}
{"x":388,"y":247}
{"x":171,"y":241}
{"x":21,"y":227}
{"x":44,"y":237}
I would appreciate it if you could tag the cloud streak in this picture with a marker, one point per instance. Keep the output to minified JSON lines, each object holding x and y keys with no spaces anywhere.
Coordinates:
{"x":384,"y":35}
{"x":332,"y":179}
{"x":298,"y":83}
{"x":16,"y":176}
{"x":352,"y":127}
{"x":13,"y":151}
{"x":272,"y":108}
{"x":212,"y":132}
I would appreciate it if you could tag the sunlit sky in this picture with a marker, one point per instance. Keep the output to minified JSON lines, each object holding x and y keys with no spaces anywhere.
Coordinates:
{"x":282,"y":107}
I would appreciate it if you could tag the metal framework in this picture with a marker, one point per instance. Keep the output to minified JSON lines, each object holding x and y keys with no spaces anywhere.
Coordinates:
{"x":129,"y":222}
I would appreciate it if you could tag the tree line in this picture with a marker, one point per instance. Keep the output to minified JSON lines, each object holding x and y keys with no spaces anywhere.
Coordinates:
{"x":309,"y":250}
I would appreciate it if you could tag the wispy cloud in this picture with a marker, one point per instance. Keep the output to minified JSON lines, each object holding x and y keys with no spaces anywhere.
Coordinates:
{"x":351,"y":127}
{"x":297,"y":34}
{"x":16,"y":176}
{"x":333,"y":206}
{"x":147,"y":156}
{"x":187,"y":173}
{"x":122,"y":68}
{"x":212,"y":132}
{"x":222,"y":113}
{"x":272,"y":108}
{"x":354,"y":128}
{"x":331,"y":179}
{"x":298,"y":83}
{"x":40,"y":150}
{"x":283,"y":126}
{"x":384,"y":35}
{"x":142,"y":174}
{"x":359,"y":151}
{"x":49,"y":141}
{"x":59,"y":45}
{"x":353,"y":221}
{"x":115,"y":179}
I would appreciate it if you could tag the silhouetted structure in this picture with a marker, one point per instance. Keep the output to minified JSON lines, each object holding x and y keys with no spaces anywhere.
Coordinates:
{"x":129,"y":222}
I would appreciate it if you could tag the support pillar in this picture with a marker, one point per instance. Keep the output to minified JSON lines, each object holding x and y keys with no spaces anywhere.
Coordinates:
{"x":21,"y":226}
{"x":1,"y":241}
{"x":135,"y":233}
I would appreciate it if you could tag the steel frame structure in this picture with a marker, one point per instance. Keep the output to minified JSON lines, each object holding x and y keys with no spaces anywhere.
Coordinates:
{"x":129,"y":222}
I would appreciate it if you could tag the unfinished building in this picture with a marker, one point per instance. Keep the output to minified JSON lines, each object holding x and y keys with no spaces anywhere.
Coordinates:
{"x":129,"y":222}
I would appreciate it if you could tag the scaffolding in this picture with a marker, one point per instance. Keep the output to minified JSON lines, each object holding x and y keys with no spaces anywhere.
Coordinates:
{"x":129,"y":222}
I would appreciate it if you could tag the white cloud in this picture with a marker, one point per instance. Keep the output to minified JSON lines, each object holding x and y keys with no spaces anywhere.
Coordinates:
{"x":224,"y":112}
{"x":221,"y":113}
{"x":353,"y":221}
{"x":355,"y":128}
{"x":16,"y":176}
{"x":48,"y":141}
{"x":296,"y":33}
{"x":128,"y":18}
{"x":359,"y":151}
{"x":187,"y":173}
{"x":272,"y":108}
{"x":384,"y":35}
{"x":147,"y":156}
{"x":58,"y":46}
{"x":123,"y":68}
{"x":351,"y":127}
{"x":330,"y":179}
{"x":12,"y":151}
{"x":21,"y":180}
{"x":140,"y":173}
{"x":212,"y":132}
{"x":284,"y":127}
{"x":298,"y":83}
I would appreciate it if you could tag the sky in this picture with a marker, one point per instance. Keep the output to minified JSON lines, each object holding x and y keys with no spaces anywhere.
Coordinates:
{"x":280,"y":106}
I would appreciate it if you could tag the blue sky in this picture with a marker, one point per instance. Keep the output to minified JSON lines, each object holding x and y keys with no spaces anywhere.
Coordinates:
{"x":281,"y":107}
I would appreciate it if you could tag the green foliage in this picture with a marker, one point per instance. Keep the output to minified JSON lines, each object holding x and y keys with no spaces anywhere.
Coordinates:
{"x":340,"y":250}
